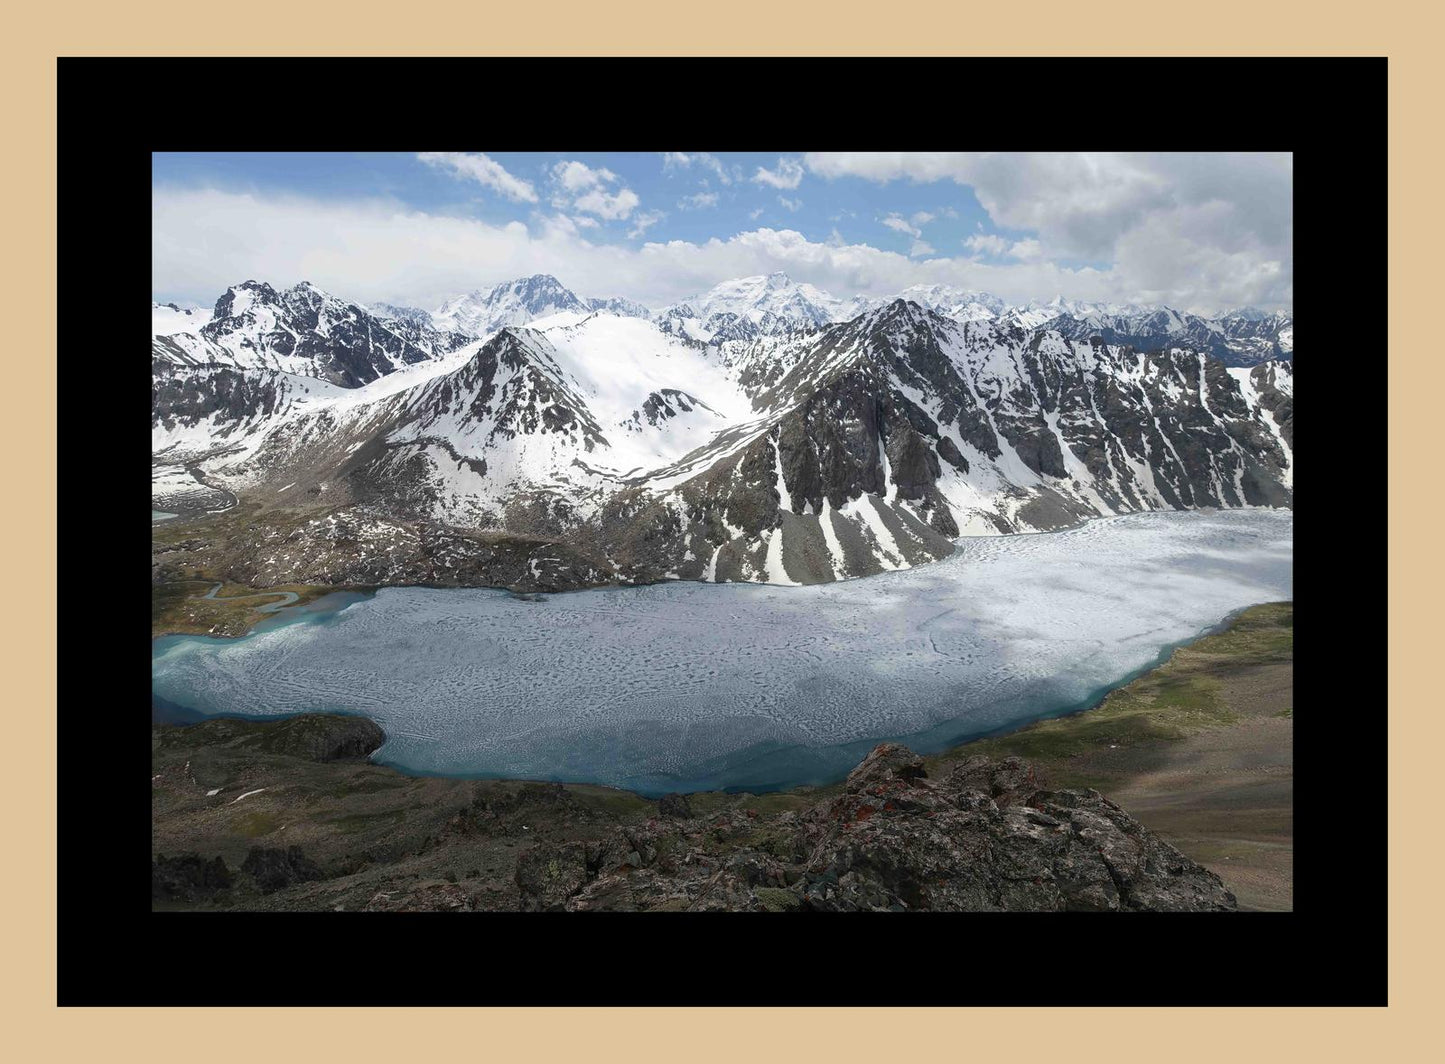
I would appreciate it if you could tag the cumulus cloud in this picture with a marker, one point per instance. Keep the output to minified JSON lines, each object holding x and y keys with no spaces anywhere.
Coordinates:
{"x":474,"y":166}
{"x":788,"y":174}
{"x":920,"y":247}
{"x":575,"y":176}
{"x":698,"y":200}
{"x":1027,"y":250}
{"x":579,"y":187}
{"x":612,"y":206}
{"x":1200,"y":227}
{"x":203,"y":240}
{"x":791,"y":204}
{"x":986,"y":244}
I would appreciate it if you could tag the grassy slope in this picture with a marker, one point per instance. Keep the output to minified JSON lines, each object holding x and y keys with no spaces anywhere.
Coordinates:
{"x":177,"y":608}
{"x":1184,"y":697}
{"x":1200,"y":750}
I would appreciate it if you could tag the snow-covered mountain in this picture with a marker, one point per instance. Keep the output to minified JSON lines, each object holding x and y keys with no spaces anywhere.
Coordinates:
{"x":1237,"y":341}
{"x":747,"y":307}
{"x":168,"y":318}
{"x":627,"y":308}
{"x":483,"y":312}
{"x":592,"y":447}
{"x":306,"y":332}
{"x":954,"y":302}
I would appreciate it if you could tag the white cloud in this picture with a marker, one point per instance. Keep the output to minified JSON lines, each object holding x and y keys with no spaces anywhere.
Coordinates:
{"x":755,"y":214}
{"x":1224,"y":218}
{"x":644,"y":221}
{"x":1027,"y":250}
{"x":580,"y":187}
{"x":901,"y":224}
{"x":922,"y":218}
{"x":483,"y":169}
{"x":205,"y":240}
{"x":703,"y":160}
{"x":698,"y":200}
{"x":611,"y":206}
{"x":791,"y":204}
{"x":577,"y":176}
{"x":986,"y":244}
{"x":584,"y":222}
{"x":919,"y":248}
{"x":788,"y":174}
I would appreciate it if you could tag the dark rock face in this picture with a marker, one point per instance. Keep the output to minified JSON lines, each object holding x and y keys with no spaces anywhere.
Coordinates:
{"x":548,"y":875}
{"x":340,"y":342}
{"x":274,"y":868}
{"x":188,"y":877}
{"x":928,"y":424}
{"x":517,"y":809}
{"x":1235,"y":340}
{"x":329,"y":737}
{"x":885,"y":764}
{"x":674,"y":807}
{"x":986,"y":838}
{"x":311,"y":736}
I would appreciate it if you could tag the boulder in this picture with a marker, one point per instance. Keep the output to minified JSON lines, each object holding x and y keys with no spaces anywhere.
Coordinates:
{"x":674,"y":807}
{"x":188,"y":877}
{"x":274,"y":868}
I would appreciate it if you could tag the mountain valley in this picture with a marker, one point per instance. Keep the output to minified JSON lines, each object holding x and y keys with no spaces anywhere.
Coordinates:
{"x":527,"y":437}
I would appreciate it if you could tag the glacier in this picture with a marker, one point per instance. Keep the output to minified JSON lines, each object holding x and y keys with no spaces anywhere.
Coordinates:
{"x":688,"y":686}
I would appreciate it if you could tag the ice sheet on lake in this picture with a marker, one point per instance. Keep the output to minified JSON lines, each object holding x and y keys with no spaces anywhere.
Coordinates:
{"x":686,"y":686}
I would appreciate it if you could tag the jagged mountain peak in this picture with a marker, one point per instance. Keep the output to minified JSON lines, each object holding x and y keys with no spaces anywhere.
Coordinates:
{"x":1248,"y":313}
{"x":514,"y":302}
{"x":903,"y":313}
{"x":817,"y":454}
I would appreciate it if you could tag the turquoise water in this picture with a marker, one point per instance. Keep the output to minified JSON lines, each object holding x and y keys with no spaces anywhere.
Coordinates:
{"x":689,"y":686}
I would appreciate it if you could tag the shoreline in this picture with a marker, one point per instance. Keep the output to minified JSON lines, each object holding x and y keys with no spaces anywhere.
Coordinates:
{"x":175,"y":713}
{"x":182,"y":716}
{"x":614,"y":586}
{"x":1137,"y":747}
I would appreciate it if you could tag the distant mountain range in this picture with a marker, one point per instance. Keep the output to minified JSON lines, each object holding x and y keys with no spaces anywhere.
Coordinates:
{"x":763,"y":431}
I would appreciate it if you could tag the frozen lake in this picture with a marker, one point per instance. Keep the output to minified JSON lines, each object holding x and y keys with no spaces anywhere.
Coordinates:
{"x":695,"y":686}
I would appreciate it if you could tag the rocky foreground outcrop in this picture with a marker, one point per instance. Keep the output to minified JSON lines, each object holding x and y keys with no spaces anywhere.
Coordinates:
{"x":985,"y":838}
{"x":291,"y":815}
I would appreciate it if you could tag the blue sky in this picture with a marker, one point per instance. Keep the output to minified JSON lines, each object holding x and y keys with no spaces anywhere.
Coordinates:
{"x":1200,"y":232}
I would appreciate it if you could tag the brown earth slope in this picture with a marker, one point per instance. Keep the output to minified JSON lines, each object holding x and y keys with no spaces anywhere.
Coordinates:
{"x":1200,"y":750}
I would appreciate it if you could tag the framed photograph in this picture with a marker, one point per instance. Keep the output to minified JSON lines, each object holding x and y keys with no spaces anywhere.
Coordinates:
{"x":884,"y":506}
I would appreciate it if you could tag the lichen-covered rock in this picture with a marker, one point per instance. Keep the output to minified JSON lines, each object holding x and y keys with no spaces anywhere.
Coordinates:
{"x":674,"y":806}
{"x":985,"y":838}
{"x":886,"y":764}
{"x":324,"y":737}
{"x":420,"y":898}
{"x":548,"y":875}
{"x":312,"y":736}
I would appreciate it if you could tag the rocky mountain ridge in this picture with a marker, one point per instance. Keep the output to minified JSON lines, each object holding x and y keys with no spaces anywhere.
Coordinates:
{"x":764,"y":305}
{"x":807,"y":456}
{"x":305,"y":332}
